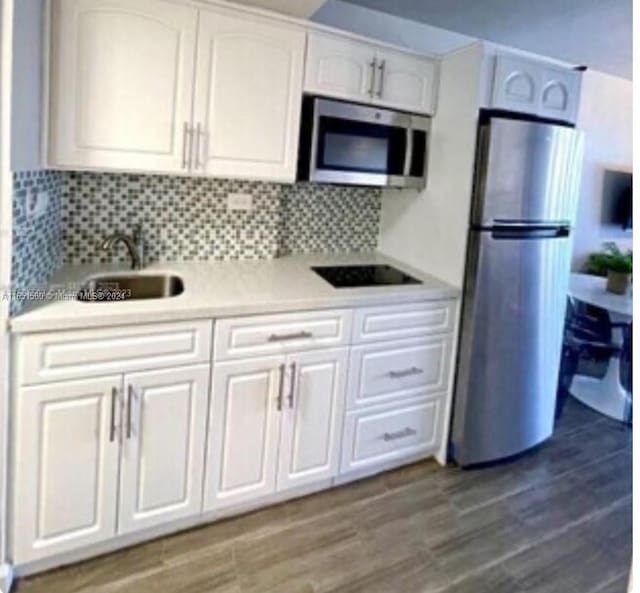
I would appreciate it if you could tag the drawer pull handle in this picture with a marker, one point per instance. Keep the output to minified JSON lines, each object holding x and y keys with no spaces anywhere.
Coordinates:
{"x":405,"y":373}
{"x":297,"y":336}
{"x":281,"y":388}
{"x":402,"y":434}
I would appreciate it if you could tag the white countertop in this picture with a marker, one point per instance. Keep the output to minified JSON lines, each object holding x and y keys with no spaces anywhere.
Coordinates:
{"x":592,"y":290}
{"x":223,"y":289}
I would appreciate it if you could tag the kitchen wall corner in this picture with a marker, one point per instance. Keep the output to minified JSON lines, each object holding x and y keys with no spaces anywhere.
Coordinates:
{"x":37,"y":238}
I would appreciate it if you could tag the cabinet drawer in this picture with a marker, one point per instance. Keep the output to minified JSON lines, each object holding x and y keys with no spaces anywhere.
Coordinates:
{"x":387,"y":433}
{"x":373,"y":324}
{"x":388,"y":371}
{"x":277,"y":334}
{"x":62,"y":355}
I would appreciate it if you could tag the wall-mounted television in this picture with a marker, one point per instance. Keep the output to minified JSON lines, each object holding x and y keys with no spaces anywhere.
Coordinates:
{"x":617,"y":199}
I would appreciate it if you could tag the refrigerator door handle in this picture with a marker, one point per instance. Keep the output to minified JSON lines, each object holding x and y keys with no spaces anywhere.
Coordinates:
{"x":505,"y":232}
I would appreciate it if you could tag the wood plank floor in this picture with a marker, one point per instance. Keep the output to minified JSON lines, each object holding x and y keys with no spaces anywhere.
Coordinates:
{"x":555,"y":521}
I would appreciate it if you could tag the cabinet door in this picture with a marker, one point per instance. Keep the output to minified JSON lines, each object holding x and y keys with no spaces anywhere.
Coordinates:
{"x":163,"y":446}
{"x":244,"y":431}
{"x":314,"y":412}
{"x":517,"y":83}
{"x":340,"y":67}
{"x":560,"y":93}
{"x":121,"y":83}
{"x":406,"y":82}
{"x":65,"y":466}
{"x":248,"y":97}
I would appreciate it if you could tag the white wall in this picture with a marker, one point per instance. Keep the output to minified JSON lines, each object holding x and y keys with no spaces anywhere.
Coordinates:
{"x":390,"y":29}
{"x":428,"y":229}
{"x":6,"y":191}
{"x":28,"y":57}
{"x":298,"y":8}
{"x":605,"y":116}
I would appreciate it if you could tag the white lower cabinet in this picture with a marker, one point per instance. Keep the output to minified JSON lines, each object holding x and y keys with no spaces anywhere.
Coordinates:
{"x":298,"y":401}
{"x":275,"y":424}
{"x":243,"y":430}
{"x":311,"y":428}
{"x":81,"y":446}
{"x":65,"y":484}
{"x":163,"y":446}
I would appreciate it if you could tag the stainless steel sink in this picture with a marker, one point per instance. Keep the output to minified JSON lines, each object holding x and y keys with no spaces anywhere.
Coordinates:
{"x":129,"y":287}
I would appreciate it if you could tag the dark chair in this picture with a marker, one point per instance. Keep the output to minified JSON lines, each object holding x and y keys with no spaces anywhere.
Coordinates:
{"x":587,"y":343}
{"x":626,"y":366}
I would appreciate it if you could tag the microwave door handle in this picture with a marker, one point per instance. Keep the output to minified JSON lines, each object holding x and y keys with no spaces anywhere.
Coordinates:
{"x":408,"y":155}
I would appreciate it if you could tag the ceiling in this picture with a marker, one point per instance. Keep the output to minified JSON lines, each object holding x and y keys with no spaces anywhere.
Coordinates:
{"x":596,"y":33}
{"x":298,"y":8}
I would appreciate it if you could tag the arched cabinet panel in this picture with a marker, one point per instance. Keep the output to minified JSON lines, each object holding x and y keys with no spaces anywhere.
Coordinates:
{"x":121,"y":83}
{"x":536,"y":88}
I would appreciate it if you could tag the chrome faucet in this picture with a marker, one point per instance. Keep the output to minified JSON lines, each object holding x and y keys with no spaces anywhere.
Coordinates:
{"x":134,"y":244}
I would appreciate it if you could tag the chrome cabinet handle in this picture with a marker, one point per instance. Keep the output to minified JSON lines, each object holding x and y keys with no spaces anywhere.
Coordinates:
{"x":197,"y":149}
{"x":381,"y":67}
{"x":402,"y":434}
{"x":185,"y":145}
{"x":112,"y":425}
{"x":283,"y":337}
{"x":129,"y":403}
{"x":281,"y":388}
{"x":405,"y":373}
{"x":293,"y":385}
{"x":372,"y":65}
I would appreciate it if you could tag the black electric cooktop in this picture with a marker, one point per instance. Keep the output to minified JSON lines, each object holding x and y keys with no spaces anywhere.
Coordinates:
{"x":361,"y":276}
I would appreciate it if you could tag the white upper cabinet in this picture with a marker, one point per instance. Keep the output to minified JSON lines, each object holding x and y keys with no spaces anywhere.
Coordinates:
{"x":536,"y":88}
{"x":349,"y":69}
{"x":248,"y":97}
{"x":405,"y":81}
{"x":516,"y":84}
{"x":124,"y":81}
{"x":163,"y":446}
{"x":65,"y":480}
{"x":340,"y":67}
{"x":121,"y":79}
{"x":560,"y":93}
{"x":168,"y":87}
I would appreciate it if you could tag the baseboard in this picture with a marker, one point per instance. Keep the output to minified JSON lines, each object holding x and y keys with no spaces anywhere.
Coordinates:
{"x":6,"y":577}
{"x":379,"y":468}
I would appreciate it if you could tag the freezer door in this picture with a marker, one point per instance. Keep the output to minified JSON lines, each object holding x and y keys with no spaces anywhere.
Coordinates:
{"x":526,"y":171}
{"x":512,"y":327}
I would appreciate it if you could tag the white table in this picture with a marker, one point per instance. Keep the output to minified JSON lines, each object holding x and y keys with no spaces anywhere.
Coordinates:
{"x":606,"y":395}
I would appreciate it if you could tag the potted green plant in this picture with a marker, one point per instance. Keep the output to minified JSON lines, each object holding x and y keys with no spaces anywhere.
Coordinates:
{"x":614,"y":264}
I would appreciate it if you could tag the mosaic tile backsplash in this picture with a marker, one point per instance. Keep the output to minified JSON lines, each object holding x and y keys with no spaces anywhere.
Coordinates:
{"x":184,"y":219}
{"x":329,"y":219}
{"x":37,"y":240}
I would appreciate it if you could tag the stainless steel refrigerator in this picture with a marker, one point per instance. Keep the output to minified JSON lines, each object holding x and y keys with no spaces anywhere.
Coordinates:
{"x":517,"y":274}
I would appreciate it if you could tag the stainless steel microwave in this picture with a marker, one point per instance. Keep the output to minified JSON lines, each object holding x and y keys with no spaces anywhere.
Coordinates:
{"x":348,"y":143}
